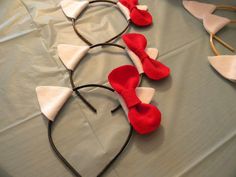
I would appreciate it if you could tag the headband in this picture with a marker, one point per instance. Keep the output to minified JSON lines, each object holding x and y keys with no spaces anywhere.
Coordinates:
{"x":133,"y":12}
{"x":142,"y":57}
{"x":223,"y":64}
{"x":143,"y":117}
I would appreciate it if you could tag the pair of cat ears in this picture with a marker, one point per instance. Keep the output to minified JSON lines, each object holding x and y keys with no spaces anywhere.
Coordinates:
{"x":52,"y":98}
{"x":73,"y":8}
{"x":224,"y":64}
{"x":204,"y":11}
{"x":71,"y":55}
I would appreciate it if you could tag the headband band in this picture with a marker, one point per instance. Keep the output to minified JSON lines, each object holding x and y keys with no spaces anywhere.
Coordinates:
{"x":137,"y":14}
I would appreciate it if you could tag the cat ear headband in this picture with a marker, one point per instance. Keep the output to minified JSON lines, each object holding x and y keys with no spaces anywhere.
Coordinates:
{"x":144,"y":117}
{"x":224,"y":64}
{"x":142,"y":57}
{"x":133,"y":12}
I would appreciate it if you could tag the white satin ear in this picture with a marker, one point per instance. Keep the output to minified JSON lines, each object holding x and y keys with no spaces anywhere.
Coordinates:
{"x":126,"y":11}
{"x":214,"y":23}
{"x":152,"y":53}
{"x":71,"y":55}
{"x":225,"y":65}
{"x":199,"y":9}
{"x":145,"y":94}
{"x":73,"y":8}
{"x":51,"y":99}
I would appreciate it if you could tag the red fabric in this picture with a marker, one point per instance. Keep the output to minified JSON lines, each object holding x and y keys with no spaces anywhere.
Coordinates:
{"x":138,"y":17}
{"x":152,"y":68}
{"x":145,"y":118}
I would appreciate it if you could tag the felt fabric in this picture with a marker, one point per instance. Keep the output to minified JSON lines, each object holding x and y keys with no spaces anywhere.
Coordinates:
{"x":153,"y":69}
{"x":71,"y":55}
{"x":138,"y":16}
{"x":51,"y":99}
{"x":199,"y":9}
{"x":214,"y":23}
{"x":152,"y":52}
{"x":225,"y":65}
{"x":145,"y":118}
{"x":73,"y":8}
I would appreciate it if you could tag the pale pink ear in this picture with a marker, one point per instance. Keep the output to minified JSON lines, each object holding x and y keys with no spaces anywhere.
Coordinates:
{"x":214,"y":23}
{"x":225,"y":65}
{"x":145,"y":94}
{"x":73,"y":8}
{"x":152,"y":53}
{"x":51,"y":99}
{"x":71,"y":55}
{"x":198,"y":9}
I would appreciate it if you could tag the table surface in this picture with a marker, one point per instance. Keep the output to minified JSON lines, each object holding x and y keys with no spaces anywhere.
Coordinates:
{"x":197,"y":134}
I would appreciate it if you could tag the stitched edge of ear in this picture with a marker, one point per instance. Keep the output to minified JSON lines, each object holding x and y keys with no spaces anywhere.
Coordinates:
{"x":198,"y":9}
{"x":145,"y":94}
{"x":72,"y":8}
{"x":71,"y":55}
{"x":51,"y":99}
{"x":152,"y":53}
{"x":225,"y":65}
{"x":124,"y":10}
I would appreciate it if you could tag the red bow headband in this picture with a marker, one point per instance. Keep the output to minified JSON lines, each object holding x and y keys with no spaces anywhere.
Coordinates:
{"x":138,"y":14}
{"x":137,"y":43}
{"x":144,"y":117}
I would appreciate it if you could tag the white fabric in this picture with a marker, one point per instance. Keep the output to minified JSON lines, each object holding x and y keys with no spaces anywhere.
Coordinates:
{"x":225,"y":65}
{"x":126,"y":11}
{"x":214,"y":23}
{"x":71,"y":55}
{"x":152,"y":53}
{"x":73,"y":8}
{"x":51,"y":99}
{"x":145,"y":94}
{"x":199,"y":9}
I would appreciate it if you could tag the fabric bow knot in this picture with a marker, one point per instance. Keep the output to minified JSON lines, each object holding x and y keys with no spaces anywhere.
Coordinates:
{"x":144,"y":117}
{"x":137,"y":43}
{"x":139,"y":15}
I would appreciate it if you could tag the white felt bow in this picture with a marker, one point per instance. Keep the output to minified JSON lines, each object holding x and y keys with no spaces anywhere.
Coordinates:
{"x":126,"y":11}
{"x":145,"y":94}
{"x":51,"y":99}
{"x":71,"y":55}
{"x":73,"y":8}
{"x":152,"y":53}
{"x":225,"y":65}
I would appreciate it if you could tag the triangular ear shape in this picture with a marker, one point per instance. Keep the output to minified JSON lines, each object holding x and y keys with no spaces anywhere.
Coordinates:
{"x":51,"y":99}
{"x":73,"y":8}
{"x":145,"y":94}
{"x":71,"y":55}
{"x":152,"y":53}
{"x":198,"y":9}
{"x":225,"y":65}
{"x":214,"y":23}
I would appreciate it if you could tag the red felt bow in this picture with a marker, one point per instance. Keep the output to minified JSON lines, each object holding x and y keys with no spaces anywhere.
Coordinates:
{"x":145,"y":118}
{"x":153,"y":69}
{"x":138,"y":17}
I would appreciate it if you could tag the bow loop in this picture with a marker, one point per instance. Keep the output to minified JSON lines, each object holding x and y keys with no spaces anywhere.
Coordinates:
{"x":137,"y":43}
{"x":124,"y":78}
{"x":138,"y":16}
